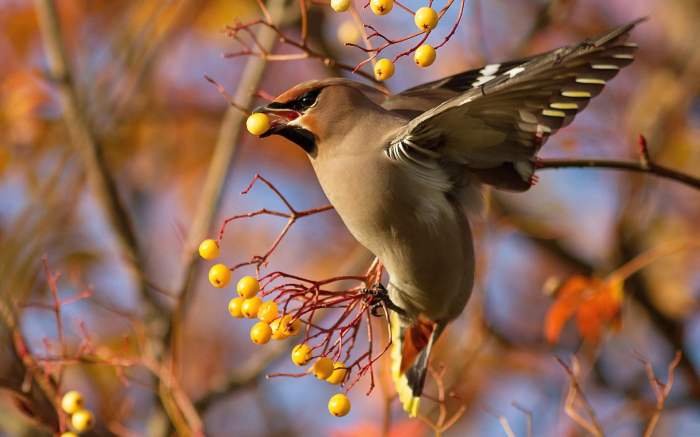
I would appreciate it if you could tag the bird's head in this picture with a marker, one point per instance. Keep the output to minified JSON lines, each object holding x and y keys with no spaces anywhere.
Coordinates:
{"x":312,"y":112}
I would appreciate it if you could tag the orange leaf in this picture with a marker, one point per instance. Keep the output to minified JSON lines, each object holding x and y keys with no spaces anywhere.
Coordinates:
{"x":568,"y":299}
{"x":595,"y":304}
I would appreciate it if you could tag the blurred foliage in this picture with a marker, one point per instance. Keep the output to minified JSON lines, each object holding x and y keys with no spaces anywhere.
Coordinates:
{"x":139,"y":67}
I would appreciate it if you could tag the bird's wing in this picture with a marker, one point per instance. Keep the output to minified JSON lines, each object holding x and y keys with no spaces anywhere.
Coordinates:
{"x":506,"y":119}
{"x":466,"y":80}
{"x":416,"y":100}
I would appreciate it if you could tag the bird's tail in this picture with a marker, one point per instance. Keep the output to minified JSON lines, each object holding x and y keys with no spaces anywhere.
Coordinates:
{"x":410,"y":351}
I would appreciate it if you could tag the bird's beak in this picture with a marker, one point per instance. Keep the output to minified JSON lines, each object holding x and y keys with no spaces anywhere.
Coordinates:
{"x":281,"y":116}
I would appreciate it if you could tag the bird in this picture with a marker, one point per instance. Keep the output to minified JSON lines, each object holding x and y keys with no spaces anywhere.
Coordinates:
{"x":404,"y":171}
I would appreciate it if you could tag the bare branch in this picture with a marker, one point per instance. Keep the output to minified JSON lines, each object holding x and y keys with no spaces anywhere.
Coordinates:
{"x":661,"y":390}
{"x":592,"y":425}
{"x":644,"y":165}
{"x":84,"y":140}
{"x":218,"y":173}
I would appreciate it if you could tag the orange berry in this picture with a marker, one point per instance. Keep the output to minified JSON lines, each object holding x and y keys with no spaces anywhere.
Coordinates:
{"x":322,"y":368}
{"x":383,"y":69}
{"x":339,"y":373}
{"x":268,"y":311}
{"x":290,"y":325}
{"x":247,"y":287}
{"x":340,"y":5}
{"x":260,"y":333}
{"x":258,"y":123}
{"x":277,"y":332}
{"x":426,"y":18}
{"x":381,"y":7}
{"x":250,"y":307}
{"x":348,"y":33}
{"x":82,"y":420}
{"x":219,"y":275}
{"x":209,"y":249}
{"x":235,"y":307}
{"x":339,"y":405}
{"x":72,"y":401}
{"x":424,"y":55}
{"x":301,"y":354}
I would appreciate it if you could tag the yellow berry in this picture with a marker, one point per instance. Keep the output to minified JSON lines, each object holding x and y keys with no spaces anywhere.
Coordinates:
{"x":82,"y":420}
{"x":69,"y":434}
{"x":235,"y":307}
{"x":209,"y":249}
{"x":247,"y":287}
{"x":340,"y":5}
{"x":301,"y":354}
{"x":339,"y":372}
{"x":383,"y":69}
{"x":277,"y":332}
{"x":339,"y":405}
{"x":426,"y":18}
{"x":250,"y":307}
{"x":424,"y":55}
{"x":257,"y":123}
{"x":348,"y":32}
{"x":219,"y":275}
{"x":72,"y":401}
{"x":260,"y":333}
{"x":322,"y":368}
{"x":381,"y":7}
{"x":290,"y":325}
{"x":267,"y":311}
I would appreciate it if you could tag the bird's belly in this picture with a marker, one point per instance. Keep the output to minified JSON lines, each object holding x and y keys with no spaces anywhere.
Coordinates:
{"x":422,"y":240}
{"x":431,"y":270}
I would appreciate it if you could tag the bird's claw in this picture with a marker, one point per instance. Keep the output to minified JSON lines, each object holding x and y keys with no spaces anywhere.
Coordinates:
{"x":378,"y":298}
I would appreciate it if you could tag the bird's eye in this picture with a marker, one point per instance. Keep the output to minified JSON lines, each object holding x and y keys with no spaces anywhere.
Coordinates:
{"x":309,"y":98}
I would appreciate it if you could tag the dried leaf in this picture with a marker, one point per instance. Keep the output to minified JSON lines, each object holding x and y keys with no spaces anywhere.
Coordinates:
{"x":595,"y":303}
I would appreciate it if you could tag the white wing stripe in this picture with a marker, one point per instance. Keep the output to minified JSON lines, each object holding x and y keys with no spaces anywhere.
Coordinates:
{"x":430,"y":153}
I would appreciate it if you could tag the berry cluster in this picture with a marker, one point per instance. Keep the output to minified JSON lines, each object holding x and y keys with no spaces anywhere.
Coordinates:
{"x":425,"y":18}
{"x":81,"y":419}
{"x":292,"y":310}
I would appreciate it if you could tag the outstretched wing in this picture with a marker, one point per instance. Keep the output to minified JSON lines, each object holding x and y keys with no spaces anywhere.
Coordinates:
{"x":504,"y":121}
{"x":416,"y":100}
{"x":469,"y":79}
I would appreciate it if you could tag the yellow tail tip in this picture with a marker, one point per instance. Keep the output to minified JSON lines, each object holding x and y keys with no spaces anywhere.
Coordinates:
{"x":412,"y":406}
{"x":409,"y":402}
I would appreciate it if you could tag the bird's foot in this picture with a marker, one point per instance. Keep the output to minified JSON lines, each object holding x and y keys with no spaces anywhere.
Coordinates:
{"x":378,"y":298}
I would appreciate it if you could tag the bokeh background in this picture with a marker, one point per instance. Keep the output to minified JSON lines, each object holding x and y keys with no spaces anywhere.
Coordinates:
{"x":138,"y":70}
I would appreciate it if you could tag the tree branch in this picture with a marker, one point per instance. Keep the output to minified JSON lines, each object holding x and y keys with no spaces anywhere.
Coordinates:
{"x":218,"y":172}
{"x":639,"y":167}
{"x":83,"y":139}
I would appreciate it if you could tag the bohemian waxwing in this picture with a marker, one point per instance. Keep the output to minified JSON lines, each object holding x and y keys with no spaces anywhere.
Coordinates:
{"x":401,"y":169}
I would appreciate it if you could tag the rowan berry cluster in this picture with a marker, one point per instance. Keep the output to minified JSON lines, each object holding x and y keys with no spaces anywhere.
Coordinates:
{"x":425,"y":18}
{"x":291,"y":308}
{"x":81,"y":419}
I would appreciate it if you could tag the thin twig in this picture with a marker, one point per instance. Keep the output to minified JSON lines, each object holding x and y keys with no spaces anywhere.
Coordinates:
{"x":661,"y":390}
{"x":592,"y":425}
{"x":644,"y":259}
{"x":644,"y":165}
{"x":528,"y":415}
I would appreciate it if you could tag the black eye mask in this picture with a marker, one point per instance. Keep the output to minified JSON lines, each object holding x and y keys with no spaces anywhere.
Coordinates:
{"x":299,"y":104}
